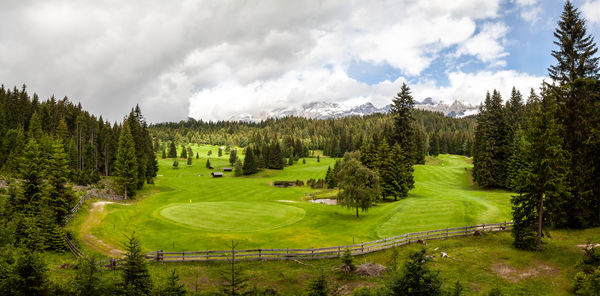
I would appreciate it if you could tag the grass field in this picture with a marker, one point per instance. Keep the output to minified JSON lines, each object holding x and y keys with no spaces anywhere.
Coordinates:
{"x":187,"y":209}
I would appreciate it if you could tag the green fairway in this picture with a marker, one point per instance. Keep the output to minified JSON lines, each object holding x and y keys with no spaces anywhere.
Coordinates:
{"x":189,"y":210}
{"x":236,"y":216}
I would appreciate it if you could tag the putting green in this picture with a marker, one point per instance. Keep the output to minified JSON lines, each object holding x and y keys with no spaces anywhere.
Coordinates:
{"x":233,"y":216}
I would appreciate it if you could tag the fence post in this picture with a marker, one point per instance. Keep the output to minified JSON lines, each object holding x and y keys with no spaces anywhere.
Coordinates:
{"x":483,"y":228}
{"x":312,"y":252}
{"x":206,"y":254}
{"x":112,"y":263}
{"x":259,"y":253}
{"x":182,"y":255}
{"x":446,"y":232}
{"x":362,"y":247}
{"x":339,"y":252}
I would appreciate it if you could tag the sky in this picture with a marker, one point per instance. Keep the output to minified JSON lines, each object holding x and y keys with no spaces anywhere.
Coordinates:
{"x":214,"y":60}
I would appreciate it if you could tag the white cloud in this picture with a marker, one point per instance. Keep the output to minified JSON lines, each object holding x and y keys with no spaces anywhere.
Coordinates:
{"x":231,"y":98}
{"x":530,"y":10}
{"x":487,"y":45}
{"x":591,"y":11}
{"x":179,"y":58}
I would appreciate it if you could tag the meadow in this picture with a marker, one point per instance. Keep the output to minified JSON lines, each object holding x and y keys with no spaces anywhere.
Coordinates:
{"x":189,"y":210}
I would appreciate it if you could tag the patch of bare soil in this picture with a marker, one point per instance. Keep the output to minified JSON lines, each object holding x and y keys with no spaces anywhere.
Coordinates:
{"x":370,"y":269}
{"x":96,"y":211}
{"x":515,"y":275}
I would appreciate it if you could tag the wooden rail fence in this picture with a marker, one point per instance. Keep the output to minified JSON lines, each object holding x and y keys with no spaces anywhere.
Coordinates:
{"x":317,"y":253}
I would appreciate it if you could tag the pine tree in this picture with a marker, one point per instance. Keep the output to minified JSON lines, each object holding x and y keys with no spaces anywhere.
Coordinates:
{"x":184,"y":153}
{"x":164,"y":154}
{"x":28,"y":275}
{"x":544,"y":177}
{"x":492,"y":146}
{"x":516,"y":162}
{"x":173,"y":285}
{"x":189,"y":160}
{"x":395,"y":172}
{"x":35,"y":127}
{"x":32,"y":174}
{"x":250,"y":166}
{"x":416,"y":278}
{"x":60,"y":197}
{"x":197,"y":155}
{"x":329,"y":178}
{"x":126,"y":163}
{"x":220,"y":151}
{"x":238,"y":168}
{"x":404,"y":131}
{"x":172,"y":150}
{"x":136,"y":277}
{"x":235,"y":283}
{"x":232,"y":157}
{"x":207,"y":163}
{"x":576,"y":54}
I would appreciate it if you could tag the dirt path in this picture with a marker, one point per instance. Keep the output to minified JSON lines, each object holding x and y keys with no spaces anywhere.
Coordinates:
{"x":96,"y":215}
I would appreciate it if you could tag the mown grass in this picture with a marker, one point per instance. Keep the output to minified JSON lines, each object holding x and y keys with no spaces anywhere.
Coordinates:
{"x":480,"y":263}
{"x":179,"y":216}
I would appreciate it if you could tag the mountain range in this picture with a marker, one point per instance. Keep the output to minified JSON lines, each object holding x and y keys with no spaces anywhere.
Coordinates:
{"x":326,"y":110}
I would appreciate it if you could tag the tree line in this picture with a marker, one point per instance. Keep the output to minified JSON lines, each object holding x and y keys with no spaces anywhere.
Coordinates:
{"x":546,"y":150}
{"x":434,"y":133}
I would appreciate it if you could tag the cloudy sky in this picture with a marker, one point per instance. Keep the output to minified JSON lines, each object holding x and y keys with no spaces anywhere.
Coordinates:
{"x":213,"y":60}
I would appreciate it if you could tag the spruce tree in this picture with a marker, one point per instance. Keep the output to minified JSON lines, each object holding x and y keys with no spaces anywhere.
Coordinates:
{"x":173,"y":285}
{"x":172,"y":150}
{"x":189,"y":160}
{"x":126,"y":163}
{"x":575,"y":57}
{"x":250,"y":166}
{"x":136,"y":277}
{"x":61,"y":197}
{"x":404,"y":131}
{"x":516,"y":162}
{"x":232,"y":157}
{"x":184,"y":153}
{"x":544,"y":176}
{"x":238,"y":168}
{"x":207,"y":163}
{"x":416,"y":278}
{"x":33,"y":185}
{"x":329,"y":179}
{"x":492,"y":146}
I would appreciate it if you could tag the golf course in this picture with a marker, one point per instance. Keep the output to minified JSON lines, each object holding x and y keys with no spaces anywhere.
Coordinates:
{"x":187,"y":209}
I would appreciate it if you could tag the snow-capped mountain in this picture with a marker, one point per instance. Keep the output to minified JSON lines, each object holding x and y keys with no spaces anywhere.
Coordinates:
{"x":325,"y":110}
{"x":457,"y":108}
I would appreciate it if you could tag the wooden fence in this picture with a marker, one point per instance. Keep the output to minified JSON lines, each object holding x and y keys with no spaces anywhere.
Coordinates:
{"x":317,"y":253}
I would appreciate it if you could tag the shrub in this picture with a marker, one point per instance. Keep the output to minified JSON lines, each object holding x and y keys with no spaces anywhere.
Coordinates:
{"x":299,"y":183}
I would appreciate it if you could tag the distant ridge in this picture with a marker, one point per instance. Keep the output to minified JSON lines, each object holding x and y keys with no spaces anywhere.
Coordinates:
{"x":326,"y":110}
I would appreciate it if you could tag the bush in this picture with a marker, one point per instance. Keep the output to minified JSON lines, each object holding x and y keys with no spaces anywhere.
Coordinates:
{"x":299,"y":183}
{"x":283,"y":183}
{"x":348,"y":261}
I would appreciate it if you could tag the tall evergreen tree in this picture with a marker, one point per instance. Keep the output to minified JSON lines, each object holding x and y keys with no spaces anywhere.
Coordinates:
{"x":575,"y":57}
{"x":233,"y":156}
{"x":238,"y":168}
{"x":395,"y":172}
{"x":183,"y":152}
{"x":544,"y":177}
{"x":172,"y":150}
{"x":492,"y":146}
{"x":404,"y":131}
{"x":250,"y":166}
{"x":136,"y":277}
{"x":126,"y":163}
{"x":61,"y":197}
